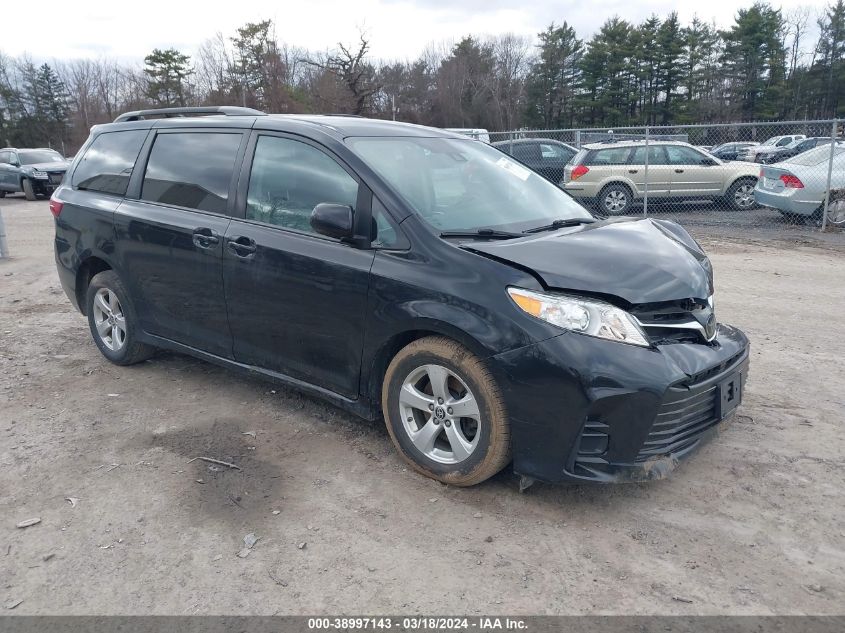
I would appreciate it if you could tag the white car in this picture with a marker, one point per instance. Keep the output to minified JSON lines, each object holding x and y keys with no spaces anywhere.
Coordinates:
{"x":756,"y":152}
{"x":479,"y":134}
{"x":796,"y":186}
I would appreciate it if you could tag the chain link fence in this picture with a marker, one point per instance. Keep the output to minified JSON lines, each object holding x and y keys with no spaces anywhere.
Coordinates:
{"x":744,"y":177}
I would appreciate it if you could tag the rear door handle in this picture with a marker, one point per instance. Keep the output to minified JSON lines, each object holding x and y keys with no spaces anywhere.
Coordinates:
{"x":205,"y":237}
{"x":633,"y":171}
{"x":679,"y":171}
{"x":241,"y":246}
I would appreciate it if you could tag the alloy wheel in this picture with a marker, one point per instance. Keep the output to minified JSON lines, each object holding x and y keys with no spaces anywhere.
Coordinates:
{"x":615,"y":201}
{"x":744,"y":195}
{"x":109,"y":319}
{"x":440,"y":414}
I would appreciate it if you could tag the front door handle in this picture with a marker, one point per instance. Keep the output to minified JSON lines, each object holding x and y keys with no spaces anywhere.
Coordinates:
{"x":205,"y":238}
{"x":679,"y":171}
{"x":633,"y":171}
{"x":241,"y":246}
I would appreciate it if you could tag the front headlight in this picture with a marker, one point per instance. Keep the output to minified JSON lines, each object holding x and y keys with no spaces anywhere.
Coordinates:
{"x":578,"y":314}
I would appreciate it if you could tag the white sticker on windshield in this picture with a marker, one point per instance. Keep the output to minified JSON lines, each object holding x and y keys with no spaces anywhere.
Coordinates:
{"x":517,"y":170}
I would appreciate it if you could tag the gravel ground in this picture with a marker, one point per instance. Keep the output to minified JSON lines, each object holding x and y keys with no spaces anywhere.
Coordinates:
{"x":751,"y":525}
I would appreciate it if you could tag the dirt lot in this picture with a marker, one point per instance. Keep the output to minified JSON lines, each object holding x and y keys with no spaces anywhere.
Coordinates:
{"x":751,"y":525}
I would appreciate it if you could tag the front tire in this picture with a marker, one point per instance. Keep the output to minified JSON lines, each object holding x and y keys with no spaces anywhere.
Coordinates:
{"x":740,"y":195}
{"x":28,"y":190}
{"x":112,"y":320}
{"x":615,"y":199}
{"x":445,"y":413}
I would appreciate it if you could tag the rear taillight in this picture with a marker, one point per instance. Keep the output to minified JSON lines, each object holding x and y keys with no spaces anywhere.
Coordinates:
{"x":791,"y":182}
{"x":56,"y":207}
{"x":761,"y":172}
{"x":578,"y":171}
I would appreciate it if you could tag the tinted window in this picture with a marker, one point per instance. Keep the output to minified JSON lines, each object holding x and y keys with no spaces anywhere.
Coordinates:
{"x":289,"y":178}
{"x":680,"y":155}
{"x":108,"y":162}
{"x":610,"y":156}
{"x":526,"y":152}
{"x":656,"y":156}
{"x":191,"y":169}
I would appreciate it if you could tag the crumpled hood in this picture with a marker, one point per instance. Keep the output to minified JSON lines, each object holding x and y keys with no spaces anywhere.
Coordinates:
{"x":639,"y":261}
{"x":52,"y":166}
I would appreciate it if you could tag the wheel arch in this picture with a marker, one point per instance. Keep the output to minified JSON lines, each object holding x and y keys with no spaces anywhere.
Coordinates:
{"x":88,"y":268}
{"x":741,"y":178}
{"x":390,"y":346}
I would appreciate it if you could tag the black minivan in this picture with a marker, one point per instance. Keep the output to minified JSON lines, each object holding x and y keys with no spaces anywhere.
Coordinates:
{"x":405,"y":272}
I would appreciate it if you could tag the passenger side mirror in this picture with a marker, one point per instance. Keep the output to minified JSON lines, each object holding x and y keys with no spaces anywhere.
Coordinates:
{"x":333,"y":220}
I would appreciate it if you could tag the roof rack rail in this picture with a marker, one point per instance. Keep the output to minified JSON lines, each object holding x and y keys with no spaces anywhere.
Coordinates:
{"x":139,"y":115}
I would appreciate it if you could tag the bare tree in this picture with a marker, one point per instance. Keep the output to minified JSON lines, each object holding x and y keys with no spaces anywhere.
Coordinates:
{"x":350,"y":69}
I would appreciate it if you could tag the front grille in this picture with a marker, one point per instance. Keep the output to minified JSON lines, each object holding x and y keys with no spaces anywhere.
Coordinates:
{"x":713,"y":371}
{"x":682,"y":418}
{"x":658,"y":319}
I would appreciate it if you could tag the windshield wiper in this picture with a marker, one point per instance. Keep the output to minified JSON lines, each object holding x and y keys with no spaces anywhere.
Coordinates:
{"x":489,"y":234}
{"x":561,"y":224}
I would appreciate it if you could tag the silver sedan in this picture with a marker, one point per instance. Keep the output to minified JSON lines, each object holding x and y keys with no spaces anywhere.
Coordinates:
{"x":796,"y":187}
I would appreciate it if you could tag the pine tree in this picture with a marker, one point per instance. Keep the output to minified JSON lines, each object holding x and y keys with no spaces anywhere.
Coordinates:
{"x":554,"y":78}
{"x":167,"y":71}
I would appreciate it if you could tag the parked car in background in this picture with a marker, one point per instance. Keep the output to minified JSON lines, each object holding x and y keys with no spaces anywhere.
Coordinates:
{"x":33,"y":171}
{"x":793,"y":149}
{"x":754,"y":153}
{"x":342,"y":256}
{"x":796,"y":187}
{"x":546,"y":156}
{"x":612,"y":176}
{"x":731,"y":151}
{"x":479,"y":134}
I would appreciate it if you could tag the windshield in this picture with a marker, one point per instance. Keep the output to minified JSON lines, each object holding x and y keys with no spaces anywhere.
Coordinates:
{"x":464,"y":185}
{"x":771,"y":141}
{"x":33,"y":157}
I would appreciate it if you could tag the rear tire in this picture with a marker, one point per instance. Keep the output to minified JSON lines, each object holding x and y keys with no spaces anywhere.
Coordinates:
{"x":427,"y":386}
{"x":615,"y":199}
{"x":112,"y":320}
{"x":740,"y":195}
{"x":28,"y":190}
{"x":2,"y":193}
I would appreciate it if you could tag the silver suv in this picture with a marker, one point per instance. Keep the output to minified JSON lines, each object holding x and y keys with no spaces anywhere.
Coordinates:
{"x":612,"y":175}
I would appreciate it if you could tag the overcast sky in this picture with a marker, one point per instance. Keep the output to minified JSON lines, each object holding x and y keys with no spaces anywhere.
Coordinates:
{"x":398,"y":29}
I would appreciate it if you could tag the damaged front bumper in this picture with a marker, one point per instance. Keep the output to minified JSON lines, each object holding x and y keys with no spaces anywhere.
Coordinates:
{"x":588,"y":410}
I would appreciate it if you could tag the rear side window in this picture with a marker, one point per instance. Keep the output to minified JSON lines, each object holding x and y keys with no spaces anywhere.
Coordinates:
{"x":192,"y":170}
{"x":526,"y":152}
{"x":656,"y":156}
{"x":108,"y":162}
{"x":610,"y":156}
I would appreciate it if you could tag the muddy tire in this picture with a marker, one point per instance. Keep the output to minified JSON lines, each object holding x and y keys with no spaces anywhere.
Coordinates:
{"x":112,"y":320}
{"x":445,"y":413}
